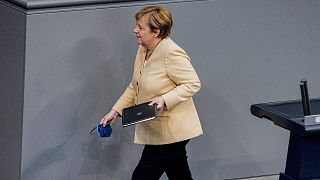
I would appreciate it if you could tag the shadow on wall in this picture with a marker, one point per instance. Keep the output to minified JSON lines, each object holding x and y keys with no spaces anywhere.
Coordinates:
{"x":65,"y":98}
{"x":113,"y":157}
{"x":47,"y":135}
{"x":43,"y":160}
{"x":101,"y":156}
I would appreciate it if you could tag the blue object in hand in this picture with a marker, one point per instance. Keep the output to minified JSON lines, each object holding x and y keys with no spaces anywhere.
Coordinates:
{"x":102,"y":131}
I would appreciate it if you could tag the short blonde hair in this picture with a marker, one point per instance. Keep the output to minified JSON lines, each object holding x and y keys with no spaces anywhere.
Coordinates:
{"x":158,"y":18}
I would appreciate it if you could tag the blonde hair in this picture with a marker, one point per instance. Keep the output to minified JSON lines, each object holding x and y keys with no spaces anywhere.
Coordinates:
{"x":158,"y":18}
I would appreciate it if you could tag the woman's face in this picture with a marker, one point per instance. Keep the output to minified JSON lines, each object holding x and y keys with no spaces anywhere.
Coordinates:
{"x":144,"y":35}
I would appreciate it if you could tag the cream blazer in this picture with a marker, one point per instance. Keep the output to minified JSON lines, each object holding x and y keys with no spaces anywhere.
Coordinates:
{"x":168,"y":73}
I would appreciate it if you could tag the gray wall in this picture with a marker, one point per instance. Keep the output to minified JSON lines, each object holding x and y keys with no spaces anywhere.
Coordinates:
{"x":12,"y":54}
{"x":79,"y":60}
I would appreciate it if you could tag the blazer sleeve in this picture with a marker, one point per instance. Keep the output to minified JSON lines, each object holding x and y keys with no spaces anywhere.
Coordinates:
{"x":182,"y":73}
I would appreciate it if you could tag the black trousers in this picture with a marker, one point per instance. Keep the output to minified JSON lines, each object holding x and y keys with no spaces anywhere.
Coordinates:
{"x":168,"y":158}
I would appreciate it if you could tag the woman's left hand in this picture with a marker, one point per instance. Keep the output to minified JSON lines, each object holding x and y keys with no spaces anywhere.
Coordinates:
{"x":161,"y":104}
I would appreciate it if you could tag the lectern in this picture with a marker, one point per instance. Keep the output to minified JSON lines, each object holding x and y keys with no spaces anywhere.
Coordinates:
{"x":303,"y":157}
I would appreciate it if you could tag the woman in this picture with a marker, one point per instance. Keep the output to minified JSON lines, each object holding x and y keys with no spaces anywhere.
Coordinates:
{"x":163,"y":75}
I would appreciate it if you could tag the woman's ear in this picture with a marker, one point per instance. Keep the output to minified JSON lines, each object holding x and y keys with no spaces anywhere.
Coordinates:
{"x":156,"y":33}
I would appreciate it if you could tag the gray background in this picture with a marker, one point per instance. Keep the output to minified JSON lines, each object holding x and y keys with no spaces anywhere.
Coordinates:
{"x":78,"y":60}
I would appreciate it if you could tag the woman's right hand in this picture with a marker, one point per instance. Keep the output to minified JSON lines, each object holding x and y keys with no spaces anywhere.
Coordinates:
{"x":109,"y":118}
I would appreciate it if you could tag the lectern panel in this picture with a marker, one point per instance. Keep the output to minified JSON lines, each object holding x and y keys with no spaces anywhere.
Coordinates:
{"x":289,"y":115}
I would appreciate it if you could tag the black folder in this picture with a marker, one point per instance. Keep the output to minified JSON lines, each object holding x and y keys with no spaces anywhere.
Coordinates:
{"x":138,"y":113}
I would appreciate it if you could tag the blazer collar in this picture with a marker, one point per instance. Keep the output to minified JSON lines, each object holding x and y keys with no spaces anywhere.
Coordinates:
{"x":160,"y":45}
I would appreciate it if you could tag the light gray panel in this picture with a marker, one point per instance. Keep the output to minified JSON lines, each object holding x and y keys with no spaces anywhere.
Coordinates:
{"x":78,"y":63}
{"x":247,"y":52}
{"x":12,"y":37}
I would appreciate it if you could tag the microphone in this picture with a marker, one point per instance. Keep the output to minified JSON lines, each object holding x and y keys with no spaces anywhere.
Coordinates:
{"x":305,"y":97}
